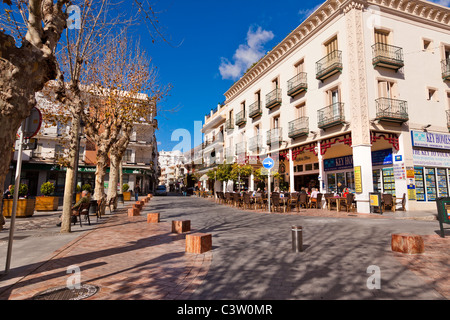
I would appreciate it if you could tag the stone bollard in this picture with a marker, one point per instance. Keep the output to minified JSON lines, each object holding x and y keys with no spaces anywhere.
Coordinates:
{"x":142,"y":202}
{"x":153,"y":217}
{"x":407,"y":243}
{"x":133,"y":212}
{"x":198,"y":242}
{"x":181,"y":226}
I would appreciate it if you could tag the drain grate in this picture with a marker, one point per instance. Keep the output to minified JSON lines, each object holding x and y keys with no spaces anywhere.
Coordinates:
{"x":64,"y":293}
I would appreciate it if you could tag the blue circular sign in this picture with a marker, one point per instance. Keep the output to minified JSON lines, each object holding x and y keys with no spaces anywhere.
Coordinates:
{"x":268,"y":163}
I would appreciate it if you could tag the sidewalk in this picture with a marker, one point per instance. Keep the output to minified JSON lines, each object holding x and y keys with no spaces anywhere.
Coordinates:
{"x":124,"y":256}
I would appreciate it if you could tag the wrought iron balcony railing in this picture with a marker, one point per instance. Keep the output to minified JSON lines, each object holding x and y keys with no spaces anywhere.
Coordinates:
{"x":255,"y":110}
{"x":240,"y":118}
{"x":274,"y":136}
{"x":392,"y":110}
{"x":255,"y":143}
{"x":331,"y":115}
{"x":299,"y":127}
{"x":297,"y":84}
{"x":445,"y":69}
{"x":385,"y":55}
{"x":241,"y":147}
{"x":273,"y":99}
{"x":329,"y":65}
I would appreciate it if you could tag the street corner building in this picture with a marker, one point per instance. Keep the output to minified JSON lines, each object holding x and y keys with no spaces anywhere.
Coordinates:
{"x":357,"y":95}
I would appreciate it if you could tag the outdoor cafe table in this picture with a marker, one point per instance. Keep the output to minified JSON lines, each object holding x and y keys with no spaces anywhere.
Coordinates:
{"x":336,"y":200}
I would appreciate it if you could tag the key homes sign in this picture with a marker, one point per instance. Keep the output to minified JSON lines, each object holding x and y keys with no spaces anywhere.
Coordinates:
{"x":430,"y":140}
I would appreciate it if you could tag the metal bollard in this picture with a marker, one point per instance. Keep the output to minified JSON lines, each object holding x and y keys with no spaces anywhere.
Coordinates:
{"x":297,"y":238}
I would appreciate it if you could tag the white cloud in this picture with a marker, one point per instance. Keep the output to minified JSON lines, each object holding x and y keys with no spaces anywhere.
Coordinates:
{"x":246,"y":54}
{"x":305,"y":13}
{"x":445,"y":3}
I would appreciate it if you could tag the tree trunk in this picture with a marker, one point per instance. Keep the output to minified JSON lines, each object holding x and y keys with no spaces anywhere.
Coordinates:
{"x":113,"y":176}
{"x":99,"y":191}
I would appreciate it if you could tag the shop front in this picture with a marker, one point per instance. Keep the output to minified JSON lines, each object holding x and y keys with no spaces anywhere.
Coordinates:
{"x":431,"y":158}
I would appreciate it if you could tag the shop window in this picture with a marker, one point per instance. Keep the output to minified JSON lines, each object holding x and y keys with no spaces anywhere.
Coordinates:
{"x":308,"y":167}
{"x":316,"y":166}
{"x":442,"y":182}
{"x":300,"y":168}
{"x":388,"y":181}
{"x":430,"y":179}
{"x":420,"y":184}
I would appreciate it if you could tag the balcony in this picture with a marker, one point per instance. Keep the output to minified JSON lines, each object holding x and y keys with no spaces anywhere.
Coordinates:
{"x":298,"y":127}
{"x":387,"y":56}
{"x":331,"y":115}
{"x":240,"y":118}
{"x":445,"y":69}
{"x":255,"y":144}
{"x":229,"y":124}
{"x":241,"y":147}
{"x":273,"y":99}
{"x":392,"y":110}
{"x":448,"y":119}
{"x":274,"y":136}
{"x":329,"y":65}
{"x":255,"y":110}
{"x":297,"y":84}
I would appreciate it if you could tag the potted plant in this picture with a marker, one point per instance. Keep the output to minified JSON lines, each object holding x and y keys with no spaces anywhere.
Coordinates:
{"x":125,"y":192}
{"x":25,"y":207}
{"x":47,"y":202}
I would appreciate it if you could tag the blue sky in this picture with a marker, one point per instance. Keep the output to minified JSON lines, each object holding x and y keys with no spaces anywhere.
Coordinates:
{"x":212,"y":43}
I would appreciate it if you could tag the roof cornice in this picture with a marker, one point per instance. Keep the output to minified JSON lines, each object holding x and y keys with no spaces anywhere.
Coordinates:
{"x":425,"y":10}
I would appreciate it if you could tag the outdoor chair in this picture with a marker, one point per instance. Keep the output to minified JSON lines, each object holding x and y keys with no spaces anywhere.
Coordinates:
{"x":303,"y":200}
{"x":316,"y":202}
{"x":294,"y":201}
{"x":247,"y":201}
{"x":84,"y":210}
{"x":388,"y":201}
{"x":237,"y":199}
{"x":275,"y":198}
{"x":259,"y":201}
{"x":327,"y":202}
{"x":349,"y":202}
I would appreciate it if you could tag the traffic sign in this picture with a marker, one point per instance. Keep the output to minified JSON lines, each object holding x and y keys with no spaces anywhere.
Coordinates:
{"x":268,"y":163}
{"x":32,"y":124}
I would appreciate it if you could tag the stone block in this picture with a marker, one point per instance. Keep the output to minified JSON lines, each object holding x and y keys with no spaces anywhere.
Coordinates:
{"x":137,"y":206}
{"x":198,"y":242}
{"x":153,"y":217}
{"x":181,"y":226}
{"x":407,"y":243}
{"x":133,"y":212}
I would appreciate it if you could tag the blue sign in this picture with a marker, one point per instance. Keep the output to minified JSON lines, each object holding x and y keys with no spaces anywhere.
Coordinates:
{"x":268,"y":163}
{"x":380,"y":157}
{"x":430,"y":140}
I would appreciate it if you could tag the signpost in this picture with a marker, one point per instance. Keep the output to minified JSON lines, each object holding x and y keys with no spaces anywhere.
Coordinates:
{"x":375,"y":202}
{"x":29,"y":128}
{"x":268,"y":164}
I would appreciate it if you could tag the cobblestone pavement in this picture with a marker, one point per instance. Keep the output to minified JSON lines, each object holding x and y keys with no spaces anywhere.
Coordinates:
{"x":127,"y":258}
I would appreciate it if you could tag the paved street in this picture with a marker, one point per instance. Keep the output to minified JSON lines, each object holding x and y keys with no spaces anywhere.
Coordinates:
{"x":127,"y":258}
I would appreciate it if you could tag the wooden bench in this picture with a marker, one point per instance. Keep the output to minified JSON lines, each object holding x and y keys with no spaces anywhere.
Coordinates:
{"x":153,"y":217}
{"x":181,"y":226}
{"x":198,"y":243}
{"x":407,"y":243}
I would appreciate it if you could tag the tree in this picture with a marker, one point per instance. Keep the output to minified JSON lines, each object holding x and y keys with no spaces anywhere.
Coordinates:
{"x":27,"y":62}
{"x":118,"y":77}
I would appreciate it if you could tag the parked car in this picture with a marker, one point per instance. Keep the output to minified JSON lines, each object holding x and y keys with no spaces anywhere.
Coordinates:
{"x":161,"y":191}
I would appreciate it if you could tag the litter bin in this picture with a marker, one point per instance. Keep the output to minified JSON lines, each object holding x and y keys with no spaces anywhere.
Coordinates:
{"x":93,"y":207}
{"x":297,"y":238}
{"x":443,"y":208}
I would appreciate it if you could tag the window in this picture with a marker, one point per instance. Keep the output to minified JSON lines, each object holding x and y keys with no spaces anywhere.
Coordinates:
{"x":276,"y":121}
{"x":299,"y":67}
{"x":387,"y":89}
{"x":382,"y":36}
{"x":300,"y":110}
{"x":428,"y":45}
{"x":243,"y":107}
{"x":275,"y":83}
{"x":432,"y":95}
{"x":256,"y":130}
{"x":258,"y":96}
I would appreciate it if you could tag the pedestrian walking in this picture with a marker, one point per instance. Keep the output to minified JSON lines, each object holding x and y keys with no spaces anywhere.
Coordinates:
{"x":137,"y":190}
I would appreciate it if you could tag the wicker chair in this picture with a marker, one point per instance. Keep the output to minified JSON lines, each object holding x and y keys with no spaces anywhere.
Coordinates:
{"x":303,"y":200}
{"x":388,"y":201}
{"x":275,"y":201}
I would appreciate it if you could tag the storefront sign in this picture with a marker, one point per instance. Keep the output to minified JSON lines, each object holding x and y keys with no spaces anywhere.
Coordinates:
{"x":411,"y":192}
{"x":429,"y":158}
{"x":430,"y":140}
{"x":358,"y":180}
{"x":379,"y":158}
{"x":338,"y":163}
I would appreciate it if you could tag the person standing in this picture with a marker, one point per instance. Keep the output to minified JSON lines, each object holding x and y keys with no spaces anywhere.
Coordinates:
{"x":137,"y":190}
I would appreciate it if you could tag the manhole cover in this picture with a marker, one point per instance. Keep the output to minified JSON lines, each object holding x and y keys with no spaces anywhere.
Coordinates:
{"x":64,"y":293}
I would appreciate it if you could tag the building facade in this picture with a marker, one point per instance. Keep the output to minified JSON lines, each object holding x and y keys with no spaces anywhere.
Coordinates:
{"x":348,"y":99}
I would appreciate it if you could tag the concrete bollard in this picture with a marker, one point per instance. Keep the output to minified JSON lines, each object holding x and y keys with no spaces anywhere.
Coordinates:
{"x":153,"y":217}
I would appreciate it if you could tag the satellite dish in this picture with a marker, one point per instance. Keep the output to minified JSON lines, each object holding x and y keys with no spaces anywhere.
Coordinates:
{"x":32,"y":124}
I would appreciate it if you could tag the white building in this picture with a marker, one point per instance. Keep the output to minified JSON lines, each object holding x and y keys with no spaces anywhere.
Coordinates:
{"x":350,"y":96}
